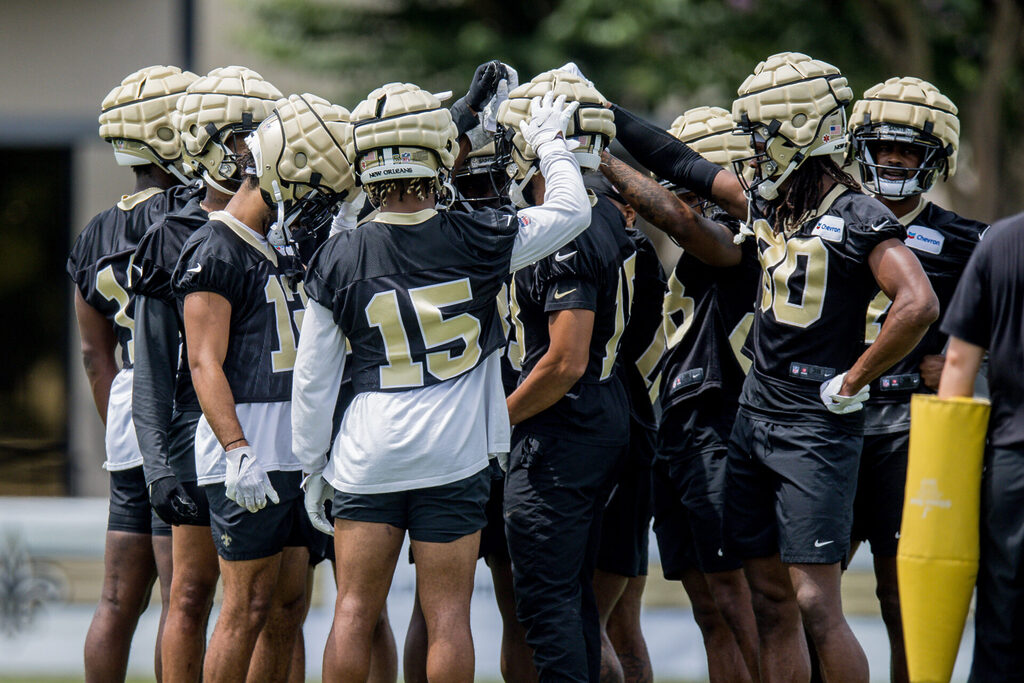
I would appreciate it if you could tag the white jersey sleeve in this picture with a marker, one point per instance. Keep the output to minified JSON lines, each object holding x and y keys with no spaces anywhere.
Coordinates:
{"x":316,"y":381}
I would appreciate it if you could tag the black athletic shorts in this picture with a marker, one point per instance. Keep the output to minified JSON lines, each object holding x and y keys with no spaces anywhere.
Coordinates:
{"x":243,"y":535}
{"x":626,"y":528}
{"x":493,"y":542}
{"x":878,"y":507}
{"x":436,"y":514}
{"x":322,"y":545}
{"x":130,"y":510}
{"x":790,"y":489}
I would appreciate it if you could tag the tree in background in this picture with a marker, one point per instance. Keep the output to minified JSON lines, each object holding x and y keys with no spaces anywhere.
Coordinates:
{"x":665,"y":55}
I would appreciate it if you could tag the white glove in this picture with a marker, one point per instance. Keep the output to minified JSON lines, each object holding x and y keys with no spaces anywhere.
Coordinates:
{"x":348,"y":215}
{"x":572,"y":68}
{"x":246,"y":482}
{"x":841,"y":405}
{"x":318,"y":491}
{"x":548,"y":119}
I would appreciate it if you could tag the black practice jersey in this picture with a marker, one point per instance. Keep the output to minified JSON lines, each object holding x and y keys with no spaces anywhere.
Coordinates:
{"x":641,"y":338}
{"x":707,"y":315}
{"x":593,"y":272}
{"x":943,"y":242}
{"x":102,"y":256}
{"x":155,"y":260}
{"x":417,"y":302}
{"x":266,"y":305}
{"x":986,"y":311}
{"x":511,"y":355}
{"x":816,"y":285}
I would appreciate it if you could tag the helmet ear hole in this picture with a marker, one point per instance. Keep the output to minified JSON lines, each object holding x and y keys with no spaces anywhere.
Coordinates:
{"x":165,"y":133}
{"x":799,"y":120}
{"x":300,"y":160}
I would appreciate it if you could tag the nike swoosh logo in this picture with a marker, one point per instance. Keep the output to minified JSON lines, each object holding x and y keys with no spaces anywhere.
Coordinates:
{"x":881,"y":224}
{"x":196,"y":269}
{"x":564,"y":257}
{"x":559,"y":295}
{"x":820,"y":544}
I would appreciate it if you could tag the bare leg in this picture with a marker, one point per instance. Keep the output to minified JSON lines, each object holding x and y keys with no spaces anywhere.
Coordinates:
{"x":444,"y":582}
{"x":516,"y":655}
{"x":196,"y":571}
{"x":623,"y":630}
{"x":162,"y":554}
{"x":732,"y":596}
{"x":608,"y":588}
{"x":889,"y":599}
{"x":297,"y":670}
{"x":275,"y":646}
{"x":725,"y":661}
{"x":248,"y":595}
{"x":414,"y":659}
{"x":129,"y":571}
{"x":817,"y":591}
{"x":366,"y":553}
{"x":384,"y":658}
{"x":782,"y":648}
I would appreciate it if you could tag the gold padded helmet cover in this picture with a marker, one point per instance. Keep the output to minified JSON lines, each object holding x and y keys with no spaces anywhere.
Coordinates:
{"x":592,"y":125}
{"x":797,"y":104}
{"x":901,"y":103}
{"x":227,"y":100}
{"x":137,"y":116}
{"x":709,"y":132}
{"x":401,"y":131}
{"x":301,"y":147}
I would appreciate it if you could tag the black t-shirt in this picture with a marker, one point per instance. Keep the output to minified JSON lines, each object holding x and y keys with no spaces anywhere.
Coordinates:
{"x":101,"y":258}
{"x":418,"y":302}
{"x":987,"y":310}
{"x":155,"y":259}
{"x":594,"y":272}
{"x":266,"y":306}
{"x":642,"y":330}
{"x":708,"y":315}
{"x":815,"y":289}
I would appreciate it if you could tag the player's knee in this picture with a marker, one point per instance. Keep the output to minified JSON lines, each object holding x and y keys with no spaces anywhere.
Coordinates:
{"x":290,"y":612}
{"x":817,"y":608}
{"x":889,"y":602}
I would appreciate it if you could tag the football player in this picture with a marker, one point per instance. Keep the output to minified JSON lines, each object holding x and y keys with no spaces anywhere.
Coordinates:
{"x":904,"y":135}
{"x":708,"y":312}
{"x":621,"y":571}
{"x":242,"y":294}
{"x":985,"y":314}
{"x":569,"y":410}
{"x":415,"y":292}
{"x":212,"y":118}
{"x":136,"y":120}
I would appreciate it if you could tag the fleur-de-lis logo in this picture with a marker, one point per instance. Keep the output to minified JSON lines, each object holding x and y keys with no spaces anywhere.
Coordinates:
{"x":26,"y":586}
{"x":225,"y":539}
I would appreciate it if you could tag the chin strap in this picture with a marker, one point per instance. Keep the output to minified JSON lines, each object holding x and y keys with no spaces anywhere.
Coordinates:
{"x":208,"y":179}
{"x":515,"y":189}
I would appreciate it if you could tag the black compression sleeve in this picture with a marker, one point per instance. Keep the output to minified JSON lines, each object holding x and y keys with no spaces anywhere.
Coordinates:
{"x":668,"y":157}
{"x":156,"y":365}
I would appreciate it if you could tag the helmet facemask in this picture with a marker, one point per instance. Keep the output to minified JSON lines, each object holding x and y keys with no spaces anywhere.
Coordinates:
{"x":915,"y":180}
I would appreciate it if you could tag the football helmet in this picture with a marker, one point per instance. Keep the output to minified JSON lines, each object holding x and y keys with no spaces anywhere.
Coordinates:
{"x":794,"y":108}
{"x":913,"y":112}
{"x":136,"y":117}
{"x":591,"y":130}
{"x":481,"y":180}
{"x":227,"y":101}
{"x":299,"y":157}
{"x":401,"y":131}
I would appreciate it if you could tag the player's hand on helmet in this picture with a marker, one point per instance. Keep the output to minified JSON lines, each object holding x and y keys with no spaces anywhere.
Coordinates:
{"x":171,"y":502}
{"x":484,"y":84}
{"x":348,"y":215}
{"x":838,"y":403}
{"x":549,"y":119}
{"x":318,"y":492}
{"x":245,"y":481}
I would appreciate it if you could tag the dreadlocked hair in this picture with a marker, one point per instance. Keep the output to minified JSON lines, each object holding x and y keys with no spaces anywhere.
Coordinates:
{"x":804,"y":191}
{"x":379,"y":192}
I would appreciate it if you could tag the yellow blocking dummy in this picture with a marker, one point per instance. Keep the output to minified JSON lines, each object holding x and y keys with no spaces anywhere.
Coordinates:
{"x":937,"y":562}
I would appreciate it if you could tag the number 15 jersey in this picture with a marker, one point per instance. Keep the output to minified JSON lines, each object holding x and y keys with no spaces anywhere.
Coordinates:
{"x":815,"y":288}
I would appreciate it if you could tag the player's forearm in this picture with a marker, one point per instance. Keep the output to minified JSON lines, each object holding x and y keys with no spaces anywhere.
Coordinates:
{"x":316,"y":381}
{"x":564,"y":214}
{"x":217,"y":401}
{"x":153,"y":383}
{"x":100,"y":369}
{"x":546,"y":384}
{"x":905,"y":325}
{"x":963,"y":361}
{"x":707,"y":240}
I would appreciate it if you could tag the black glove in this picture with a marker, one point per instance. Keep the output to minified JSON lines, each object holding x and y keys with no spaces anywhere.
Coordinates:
{"x":485,"y":84}
{"x":172,"y":503}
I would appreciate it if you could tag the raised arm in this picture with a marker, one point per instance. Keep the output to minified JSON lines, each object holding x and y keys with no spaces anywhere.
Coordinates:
{"x":914,"y":308}
{"x":709,"y":241}
{"x":673,"y":160}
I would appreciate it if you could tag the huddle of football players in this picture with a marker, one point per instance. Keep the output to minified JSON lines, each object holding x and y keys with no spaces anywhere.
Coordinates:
{"x":442,"y":321}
